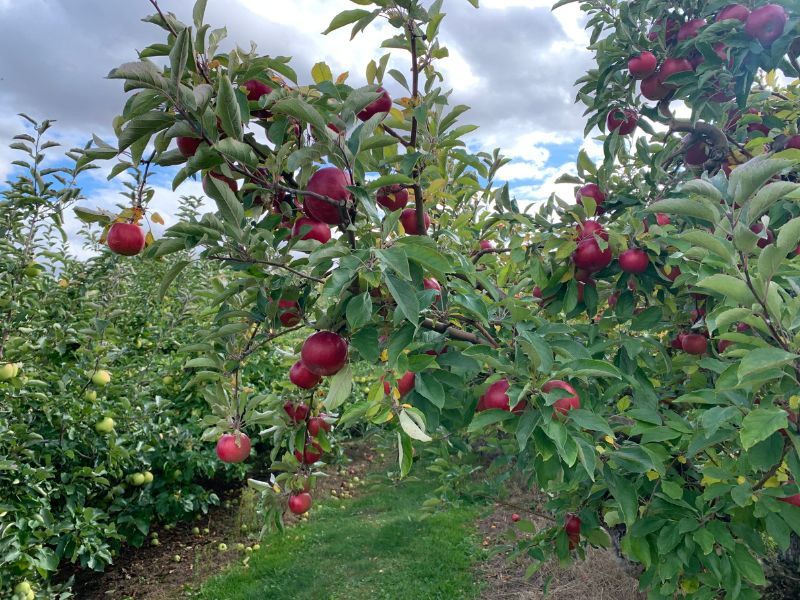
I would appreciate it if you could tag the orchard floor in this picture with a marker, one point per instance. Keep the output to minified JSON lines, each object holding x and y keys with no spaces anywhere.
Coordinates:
{"x":375,"y":545}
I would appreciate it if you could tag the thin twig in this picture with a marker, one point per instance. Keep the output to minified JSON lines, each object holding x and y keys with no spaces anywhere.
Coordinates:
{"x":253,"y":261}
{"x":163,"y":18}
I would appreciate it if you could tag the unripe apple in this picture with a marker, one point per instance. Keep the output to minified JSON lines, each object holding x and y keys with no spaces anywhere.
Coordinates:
{"x":126,"y":239}
{"x":766,"y":23}
{"x":690,"y":29}
{"x":101,"y":378}
{"x":188,"y":145}
{"x":6,"y":372}
{"x":317,"y":230}
{"x":562,"y":405}
{"x":694,"y":343}
{"x":90,"y":395}
{"x":634,"y":260}
{"x":302,"y":377}
{"x":300,"y":503}
{"x":233,"y":448}
{"x":324,"y":353}
{"x":223,"y":547}
{"x":392,"y":197}
{"x":148,"y":477}
{"x":105,"y":425}
{"x":591,"y":190}
{"x":622,"y":121}
{"x":331,"y":183}
{"x":643,"y":65}
{"x":382,"y":105}
{"x":137,"y":479}
{"x":408,"y":218}
{"x":733,"y":11}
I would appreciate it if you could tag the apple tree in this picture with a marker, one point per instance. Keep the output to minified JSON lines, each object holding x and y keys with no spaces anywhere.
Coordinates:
{"x":631,"y":351}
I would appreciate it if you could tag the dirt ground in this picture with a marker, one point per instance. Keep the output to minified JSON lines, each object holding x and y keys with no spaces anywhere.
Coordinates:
{"x":152,"y":572}
{"x":602,"y":576}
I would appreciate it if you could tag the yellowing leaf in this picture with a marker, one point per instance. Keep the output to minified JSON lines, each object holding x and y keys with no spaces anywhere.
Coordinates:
{"x":149,"y":239}
{"x":157,"y":218}
{"x":321,"y":72}
{"x":682,"y":459}
{"x":436,"y":185}
{"x":384,"y":355}
{"x":396,"y":114}
{"x":652,"y":475}
{"x":342,"y":78}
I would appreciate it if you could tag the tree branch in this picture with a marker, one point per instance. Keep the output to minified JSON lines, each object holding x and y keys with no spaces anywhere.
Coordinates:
{"x":419,"y":202}
{"x":253,"y":261}
{"x":477,"y":256}
{"x":717,"y":140}
{"x":163,"y":18}
{"x":449,"y":330}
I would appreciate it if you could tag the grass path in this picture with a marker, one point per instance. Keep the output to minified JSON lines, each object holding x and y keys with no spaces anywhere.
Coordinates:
{"x":379,"y":546}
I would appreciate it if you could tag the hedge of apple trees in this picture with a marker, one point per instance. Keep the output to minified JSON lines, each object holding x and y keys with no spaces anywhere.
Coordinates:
{"x":99,"y":420}
{"x":634,"y":346}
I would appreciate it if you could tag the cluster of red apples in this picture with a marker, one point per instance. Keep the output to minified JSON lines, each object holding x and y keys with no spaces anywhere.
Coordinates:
{"x":496,"y":396}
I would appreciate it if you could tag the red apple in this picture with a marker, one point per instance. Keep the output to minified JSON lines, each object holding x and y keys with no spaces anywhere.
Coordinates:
{"x":653,"y":88}
{"x":723,"y":345}
{"x":515,"y":517}
{"x":694,"y":343}
{"x":696,"y":154}
{"x":793,"y":499}
{"x":591,"y":190}
{"x":319,"y":231}
{"x":673,"y":273}
{"x":392,"y":197}
{"x":311,"y":453}
{"x":297,"y":412}
{"x":233,"y":450}
{"x":562,"y":405}
{"x":662,"y":219}
{"x":126,"y":239}
{"x":588,"y":228}
{"x":300,"y":503}
{"x":742,"y":327}
{"x":613,"y":299}
{"x":188,"y":145}
{"x":381,"y":105}
{"x":302,"y":377}
{"x":643,"y":65}
{"x":486,"y":245}
{"x":406,"y":383}
{"x":386,"y":388}
{"x":673,"y":25}
{"x":766,"y":23}
{"x":634,"y":260}
{"x":408,"y":218}
{"x":793,"y":142}
{"x":287,"y":314}
{"x":232,"y":183}
{"x":255,"y":90}
{"x":317,"y":424}
{"x":430,"y":283}
{"x":622,"y":121}
{"x":697,"y":314}
{"x":690,"y":29}
{"x":670,"y":67}
{"x":589,"y":257}
{"x":764,"y":239}
{"x":572,"y":525}
{"x":733,"y":11}
{"x":496,"y":396}
{"x":331,"y":183}
{"x":324,"y":353}
{"x":537,"y":292}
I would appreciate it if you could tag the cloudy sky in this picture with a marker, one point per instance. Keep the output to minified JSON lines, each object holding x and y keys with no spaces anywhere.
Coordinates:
{"x":512,"y":61}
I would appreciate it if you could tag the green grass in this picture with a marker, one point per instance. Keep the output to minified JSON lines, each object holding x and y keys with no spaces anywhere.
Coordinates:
{"x":378,"y":547}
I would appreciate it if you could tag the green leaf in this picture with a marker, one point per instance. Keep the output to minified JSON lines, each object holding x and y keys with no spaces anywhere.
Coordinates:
{"x":709,"y":242}
{"x":701,"y":187}
{"x":764,"y":359}
{"x":748,"y":566}
{"x":405,"y":453}
{"x":198,"y":12}
{"x":413,"y":429}
{"x":429,"y":386}
{"x":227,"y":203}
{"x":672,"y":489}
{"x":144,"y":125}
{"x":727,"y":285}
{"x":485,"y":418}
{"x":690,"y":207}
{"x":341,"y":385}
{"x":140,"y":74}
{"x":587,"y":367}
{"x":228,"y":109}
{"x":301,"y":110}
{"x":395,"y":178}
{"x":423,"y":250}
{"x":179,"y":54}
{"x":170,"y":276}
{"x":789,"y":236}
{"x":588,"y":420}
{"x":395,"y":258}
{"x":236,"y":151}
{"x":747,"y":178}
{"x":359,"y":310}
{"x":88,"y":215}
{"x":767,"y":196}
{"x":761,"y":423}
{"x":405,"y":296}
{"x":345,"y":18}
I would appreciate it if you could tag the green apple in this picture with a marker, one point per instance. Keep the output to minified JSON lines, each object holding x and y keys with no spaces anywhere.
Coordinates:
{"x":101,"y":377}
{"x":148,"y":477}
{"x":167,"y":379}
{"x":23,"y":587}
{"x":177,"y":558}
{"x":6,"y":372}
{"x":137,"y":479}
{"x":222,"y":547}
{"x":256,"y":547}
{"x":90,"y":395}
{"x":239,"y":547}
{"x":33,"y":270}
{"x":248,"y":549}
{"x":196,"y":530}
{"x":154,"y":542}
{"x":206,"y":530}
{"x":105,"y":426}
